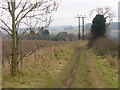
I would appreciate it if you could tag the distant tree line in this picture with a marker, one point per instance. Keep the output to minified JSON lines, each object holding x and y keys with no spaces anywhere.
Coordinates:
{"x":42,"y":33}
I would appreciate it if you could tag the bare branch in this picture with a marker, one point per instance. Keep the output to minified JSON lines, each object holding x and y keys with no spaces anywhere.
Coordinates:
{"x":25,"y":23}
{"x":23,"y":9}
{"x":106,"y":11}
{"x":9,"y":8}
{"x":25,"y":55}
{"x":6,"y":24}
{"x":4,"y":8}
{"x":18,"y":4}
{"x":6,"y":30}
{"x":34,"y":15}
{"x":32,"y":8}
{"x":49,"y":22}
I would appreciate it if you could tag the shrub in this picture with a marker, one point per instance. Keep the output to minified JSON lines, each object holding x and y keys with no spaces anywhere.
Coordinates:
{"x":105,"y":47}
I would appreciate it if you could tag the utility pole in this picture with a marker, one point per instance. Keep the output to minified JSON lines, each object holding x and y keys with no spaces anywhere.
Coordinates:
{"x":83,"y":18}
{"x":83,"y":28}
{"x":78,"y":26}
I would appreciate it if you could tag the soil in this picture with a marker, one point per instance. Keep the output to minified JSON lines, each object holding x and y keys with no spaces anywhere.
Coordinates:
{"x":71,"y":77}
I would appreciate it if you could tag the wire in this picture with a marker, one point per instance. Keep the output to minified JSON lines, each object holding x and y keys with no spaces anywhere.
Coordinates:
{"x":63,"y":18}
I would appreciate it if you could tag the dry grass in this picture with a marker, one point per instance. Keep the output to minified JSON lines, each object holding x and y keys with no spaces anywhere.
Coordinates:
{"x":50,"y":62}
{"x":26,"y":46}
{"x":104,"y":46}
{"x":112,"y":61}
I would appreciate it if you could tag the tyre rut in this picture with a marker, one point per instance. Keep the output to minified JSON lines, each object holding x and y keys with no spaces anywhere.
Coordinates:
{"x":74,"y":70}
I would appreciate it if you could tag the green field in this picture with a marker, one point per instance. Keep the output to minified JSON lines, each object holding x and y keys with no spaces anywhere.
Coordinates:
{"x":74,"y":31}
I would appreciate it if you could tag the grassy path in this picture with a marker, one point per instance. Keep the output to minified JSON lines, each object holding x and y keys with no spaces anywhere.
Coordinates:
{"x":86,"y":76}
{"x":91,"y":71}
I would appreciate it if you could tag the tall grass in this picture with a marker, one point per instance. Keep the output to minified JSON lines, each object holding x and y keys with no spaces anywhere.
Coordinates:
{"x":42,"y":73}
{"x":104,"y":47}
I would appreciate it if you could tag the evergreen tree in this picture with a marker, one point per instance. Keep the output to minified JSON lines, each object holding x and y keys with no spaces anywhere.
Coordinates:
{"x":98,"y":28}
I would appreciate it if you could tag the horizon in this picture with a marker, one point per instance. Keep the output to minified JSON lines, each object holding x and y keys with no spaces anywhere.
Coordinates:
{"x":80,"y":25}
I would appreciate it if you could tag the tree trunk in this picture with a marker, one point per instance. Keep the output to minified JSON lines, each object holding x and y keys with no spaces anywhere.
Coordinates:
{"x":14,"y":43}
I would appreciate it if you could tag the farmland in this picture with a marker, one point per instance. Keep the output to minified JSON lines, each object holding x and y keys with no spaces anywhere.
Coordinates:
{"x":53,"y":63}
{"x":26,"y":46}
{"x":50,"y":60}
{"x":59,"y":44}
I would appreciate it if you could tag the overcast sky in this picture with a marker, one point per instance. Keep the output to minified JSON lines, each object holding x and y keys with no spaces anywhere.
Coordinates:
{"x":69,"y":9}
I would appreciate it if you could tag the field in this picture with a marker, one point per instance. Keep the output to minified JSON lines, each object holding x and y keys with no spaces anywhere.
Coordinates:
{"x":74,"y":31}
{"x":44,"y":46}
{"x":48,"y":61}
{"x":26,"y":46}
{"x":59,"y":65}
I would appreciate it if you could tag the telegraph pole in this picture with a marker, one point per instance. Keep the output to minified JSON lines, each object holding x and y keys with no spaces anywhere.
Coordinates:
{"x":83,"y":18}
{"x":83,"y":27}
{"x":83,"y":34}
{"x":78,"y":26}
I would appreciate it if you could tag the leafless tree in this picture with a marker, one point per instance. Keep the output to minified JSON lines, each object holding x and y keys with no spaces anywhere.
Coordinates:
{"x":19,"y":13}
{"x":106,"y":11}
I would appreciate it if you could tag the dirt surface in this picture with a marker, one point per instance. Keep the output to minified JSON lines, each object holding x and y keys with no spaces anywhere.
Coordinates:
{"x":71,"y":77}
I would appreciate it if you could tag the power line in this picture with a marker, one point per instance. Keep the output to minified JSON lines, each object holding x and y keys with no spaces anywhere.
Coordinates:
{"x":63,"y":19}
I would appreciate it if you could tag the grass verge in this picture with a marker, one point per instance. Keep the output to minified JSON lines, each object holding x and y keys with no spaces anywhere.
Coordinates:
{"x":109,"y":74}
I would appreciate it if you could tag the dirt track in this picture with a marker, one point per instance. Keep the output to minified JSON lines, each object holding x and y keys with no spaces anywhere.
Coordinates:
{"x":71,"y":77}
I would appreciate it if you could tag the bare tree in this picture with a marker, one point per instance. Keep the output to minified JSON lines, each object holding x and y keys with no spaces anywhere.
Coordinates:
{"x":16,"y":14}
{"x":106,"y":11}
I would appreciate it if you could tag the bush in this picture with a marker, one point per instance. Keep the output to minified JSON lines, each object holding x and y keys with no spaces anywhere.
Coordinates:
{"x":105,"y":47}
